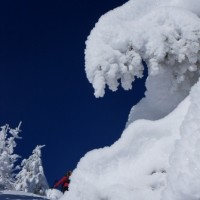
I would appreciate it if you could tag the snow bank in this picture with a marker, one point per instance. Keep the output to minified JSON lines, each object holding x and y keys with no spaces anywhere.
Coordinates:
{"x":191,"y":5}
{"x":157,"y":156}
{"x":135,"y":167}
{"x":54,"y":194}
{"x":184,"y":175}
{"x":19,"y":195}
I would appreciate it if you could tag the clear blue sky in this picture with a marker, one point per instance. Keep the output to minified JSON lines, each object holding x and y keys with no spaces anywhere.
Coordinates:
{"x":43,"y":82}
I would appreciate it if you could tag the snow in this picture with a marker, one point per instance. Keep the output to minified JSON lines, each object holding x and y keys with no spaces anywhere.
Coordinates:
{"x":185,"y":161}
{"x":54,"y":194}
{"x":135,"y":167}
{"x":17,"y":195}
{"x":153,"y":31}
{"x":31,"y":178}
{"x":8,"y":158}
{"x":164,"y":35}
{"x":158,"y":154}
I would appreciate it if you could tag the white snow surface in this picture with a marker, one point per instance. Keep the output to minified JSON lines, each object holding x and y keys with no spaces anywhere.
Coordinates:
{"x":184,"y":174}
{"x":158,"y":154}
{"x":18,"y":195}
{"x":135,"y":167}
{"x":51,"y":194}
{"x":153,"y":30}
{"x":54,"y":194}
{"x":164,"y":34}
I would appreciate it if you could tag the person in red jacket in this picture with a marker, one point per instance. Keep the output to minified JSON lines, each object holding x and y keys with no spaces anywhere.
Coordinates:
{"x":64,"y":182}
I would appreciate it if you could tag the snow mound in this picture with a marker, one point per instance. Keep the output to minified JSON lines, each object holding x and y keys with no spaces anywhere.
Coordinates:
{"x":18,"y":195}
{"x":54,"y":194}
{"x":135,"y":167}
{"x":157,"y":156}
{"x":184,"y":174}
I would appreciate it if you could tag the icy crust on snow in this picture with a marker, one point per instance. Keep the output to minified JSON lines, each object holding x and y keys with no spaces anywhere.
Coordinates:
{"x":135,"y":167}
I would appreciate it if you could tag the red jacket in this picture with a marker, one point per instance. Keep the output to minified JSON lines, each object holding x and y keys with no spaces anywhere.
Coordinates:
{"x":64,"y":181}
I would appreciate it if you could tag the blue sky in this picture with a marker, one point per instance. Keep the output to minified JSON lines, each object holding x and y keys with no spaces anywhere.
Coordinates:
{"x":43,"y":82}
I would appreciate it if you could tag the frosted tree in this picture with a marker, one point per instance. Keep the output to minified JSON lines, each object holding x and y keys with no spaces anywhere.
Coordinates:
{"x":31,"y":178}
{"x":7,"y":156}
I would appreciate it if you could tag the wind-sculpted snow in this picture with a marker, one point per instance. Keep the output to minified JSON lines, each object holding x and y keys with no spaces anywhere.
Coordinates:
{"x":159,"y":35}
{"x":164,"y":35}
{"x":183,"y":178}
{"x":157,"y":156}
{"x":135,"y":167}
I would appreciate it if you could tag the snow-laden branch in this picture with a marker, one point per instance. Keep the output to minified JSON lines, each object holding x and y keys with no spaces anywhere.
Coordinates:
{"x":162,"y":36}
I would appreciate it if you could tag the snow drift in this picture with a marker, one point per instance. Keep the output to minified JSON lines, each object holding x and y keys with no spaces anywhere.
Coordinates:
{"x":19,"y":195}
{"x":54,"y":194}
{"x":158,"y":155}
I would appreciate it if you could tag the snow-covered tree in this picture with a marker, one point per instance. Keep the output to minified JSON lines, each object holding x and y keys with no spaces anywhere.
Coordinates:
{"x":7,"y":156}
{"x":32,"y":178}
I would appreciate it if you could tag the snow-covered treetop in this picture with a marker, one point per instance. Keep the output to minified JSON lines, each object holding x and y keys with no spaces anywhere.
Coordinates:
{"x":159,"y":32}
{"x":31,"y":178}
{"x":34,"y":162}
{"x":16,"y":131}
{"x":7,"y":142}
{"x":7,"y":156}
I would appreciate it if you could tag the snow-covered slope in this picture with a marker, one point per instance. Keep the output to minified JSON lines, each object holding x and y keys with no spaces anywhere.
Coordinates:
{"x":184,"y":174}
{"x":158,"y":154}
{"x":135,"y":167}
{"x":51,"y":194}
{"x":17,"y":195}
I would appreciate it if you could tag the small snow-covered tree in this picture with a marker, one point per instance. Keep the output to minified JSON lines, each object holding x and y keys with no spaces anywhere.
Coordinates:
{"x":7,"y":156}
{"x":32,"y":178}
